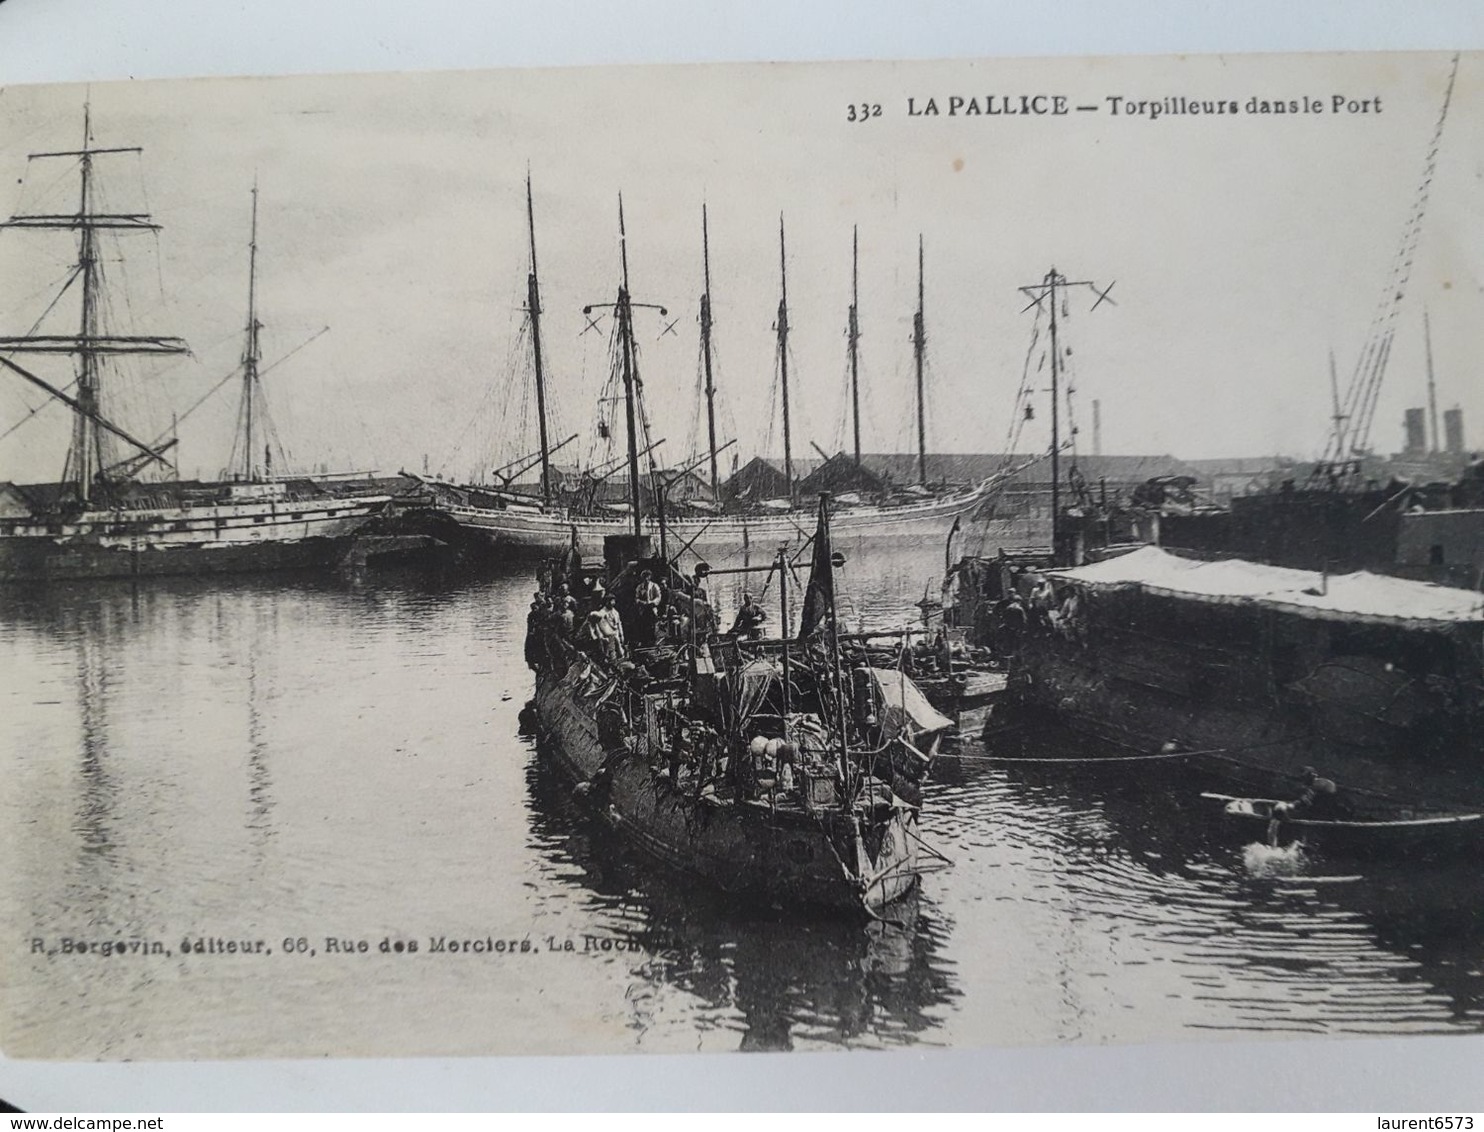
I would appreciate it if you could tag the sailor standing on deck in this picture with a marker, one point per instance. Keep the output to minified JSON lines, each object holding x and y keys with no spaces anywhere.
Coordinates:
{"x":610,"y":630}
{"x":590,"y":635}
{"x":699,"y":588}
{"x":647,"y":598}
{"x":701,"y":613}
{"x":750,"y":618}
{"x":536,"y":621}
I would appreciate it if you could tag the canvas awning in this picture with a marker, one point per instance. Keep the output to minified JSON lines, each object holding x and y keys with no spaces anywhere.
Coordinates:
{"x":905,"y":710}
{"x":1360,"y":596}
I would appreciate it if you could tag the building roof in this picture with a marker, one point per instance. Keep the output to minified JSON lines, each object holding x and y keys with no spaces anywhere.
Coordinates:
{"x":803,"y":465}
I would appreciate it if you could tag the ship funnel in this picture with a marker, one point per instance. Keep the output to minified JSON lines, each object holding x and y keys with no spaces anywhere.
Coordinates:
{"x":1416,"y":433}
{"x":1453,"y":431}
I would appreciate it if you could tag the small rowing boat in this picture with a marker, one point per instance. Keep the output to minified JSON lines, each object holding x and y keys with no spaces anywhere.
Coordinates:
{"x":1365,"y":826}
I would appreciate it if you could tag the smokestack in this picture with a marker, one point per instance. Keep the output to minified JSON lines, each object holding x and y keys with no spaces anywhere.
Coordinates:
{"x":1416,"y":431}
{"x":1453,"y":431}
{"x":1097,"y":428}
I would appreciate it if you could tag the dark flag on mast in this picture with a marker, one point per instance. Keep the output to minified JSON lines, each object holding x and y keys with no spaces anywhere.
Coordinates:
{"x":819,"y":595}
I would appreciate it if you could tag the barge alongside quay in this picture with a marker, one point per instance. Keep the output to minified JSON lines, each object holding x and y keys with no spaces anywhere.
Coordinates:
{"x":1257,"y":672}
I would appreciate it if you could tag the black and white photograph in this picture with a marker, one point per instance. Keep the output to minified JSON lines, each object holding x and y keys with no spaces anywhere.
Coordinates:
{"x":742,"y":557}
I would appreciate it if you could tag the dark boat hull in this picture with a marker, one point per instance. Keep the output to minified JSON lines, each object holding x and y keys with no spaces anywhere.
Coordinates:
{"x":760,"y":854}
{"x":217,"y":536}
{"x":26,"y":560}
{"x":1253,"y":743}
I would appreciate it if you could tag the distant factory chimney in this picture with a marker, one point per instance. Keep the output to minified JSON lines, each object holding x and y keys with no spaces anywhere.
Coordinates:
{"x":1416,"y":429}
{"x":1453,"y":431}
{"x":1097,"y":428}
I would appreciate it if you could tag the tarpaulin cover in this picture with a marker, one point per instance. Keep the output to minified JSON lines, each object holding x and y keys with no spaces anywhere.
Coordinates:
{"x":751,"y":684}
{"x":905,"y":710}
{"x":1360,"y":596}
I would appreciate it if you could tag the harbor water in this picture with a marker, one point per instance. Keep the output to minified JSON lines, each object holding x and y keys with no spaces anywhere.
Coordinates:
{"x":298,"y":816}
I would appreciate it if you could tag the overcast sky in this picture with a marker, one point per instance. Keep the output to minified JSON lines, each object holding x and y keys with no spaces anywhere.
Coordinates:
{"x":1244,"y":247}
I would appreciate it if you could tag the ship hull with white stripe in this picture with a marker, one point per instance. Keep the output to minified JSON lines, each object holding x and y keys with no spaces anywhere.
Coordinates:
{"x":231,"y":537}
{"x":522,"y":528}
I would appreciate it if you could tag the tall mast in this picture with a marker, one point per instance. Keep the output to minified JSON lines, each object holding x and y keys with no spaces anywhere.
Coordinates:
{"x":630,"y":372}
{"x":87,"y":453}
{"x":533,"y":308}
{"x":853,"y":337}
{"x":1432,"y":389}
{"x":706,"y":355}
{"x":780,"y":564}
{"x":788,"y":450}
{"x":1052,"y":291}
{"x":85,"y":466}
{"x":1052,"y":279}
{"x":1336,"y":415}
{"x":826,"y":558}
{"x":251,"y":355}
{"x":919,"y":346}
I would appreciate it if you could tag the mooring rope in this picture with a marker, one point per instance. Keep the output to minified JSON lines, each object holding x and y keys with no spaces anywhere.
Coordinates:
{"x":1158,"y":755}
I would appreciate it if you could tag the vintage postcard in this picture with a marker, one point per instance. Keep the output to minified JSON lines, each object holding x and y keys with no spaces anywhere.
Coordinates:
{"x":742,"y":557}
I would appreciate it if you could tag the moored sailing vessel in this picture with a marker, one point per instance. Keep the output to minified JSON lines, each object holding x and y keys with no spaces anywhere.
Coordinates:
{"x":104,"y":520}
{"x":512,"y":519}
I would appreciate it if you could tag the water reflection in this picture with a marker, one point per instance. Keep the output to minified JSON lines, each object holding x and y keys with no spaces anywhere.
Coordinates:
{"x":297,"y":755}
{"x":1265,"y":940}
{"x":781,"y":980}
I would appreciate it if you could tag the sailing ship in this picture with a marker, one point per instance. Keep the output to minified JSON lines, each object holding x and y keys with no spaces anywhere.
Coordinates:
{"x":104,"y":520}
{"x":511,"y":520}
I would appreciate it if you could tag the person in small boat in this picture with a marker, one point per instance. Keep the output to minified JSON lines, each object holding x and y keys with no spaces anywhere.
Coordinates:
{"x":647,"y":599}
{"x":1319,"y":799}
{"x":750,"y":618}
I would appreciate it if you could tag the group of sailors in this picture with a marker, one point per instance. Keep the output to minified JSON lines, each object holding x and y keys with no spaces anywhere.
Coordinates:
{"x":1030,"y":605}
{"x":591,"y":619}
{"x":592,"y":623}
